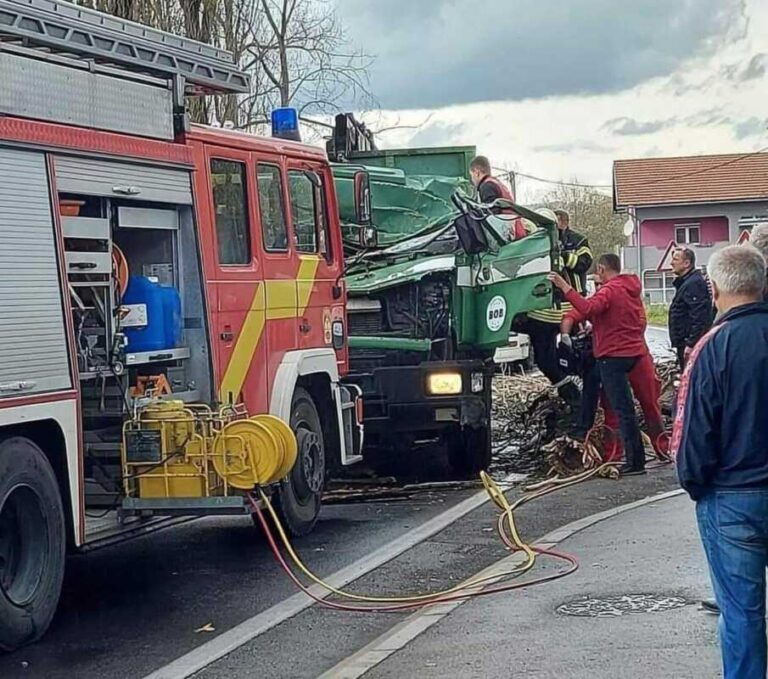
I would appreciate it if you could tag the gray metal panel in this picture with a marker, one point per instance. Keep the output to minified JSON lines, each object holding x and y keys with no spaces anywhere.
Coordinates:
{"x":33,"y":344}
{"x":49,"y":91}
{"x":89,"y":262}
{"x":85,"y":227}
{"x":122,"y":180}
{"x":147,"y":218}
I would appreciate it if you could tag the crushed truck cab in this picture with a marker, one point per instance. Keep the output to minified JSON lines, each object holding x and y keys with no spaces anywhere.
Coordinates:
{"x":430,"y":299}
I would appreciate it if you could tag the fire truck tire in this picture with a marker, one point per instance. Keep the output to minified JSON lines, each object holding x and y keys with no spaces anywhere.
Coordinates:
{"x":32,"y":543}
{"x":469,"y":451}
{"x":300,"y":493}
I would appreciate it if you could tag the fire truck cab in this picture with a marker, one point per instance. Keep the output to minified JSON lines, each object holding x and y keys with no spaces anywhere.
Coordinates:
{"x":172,"y":307}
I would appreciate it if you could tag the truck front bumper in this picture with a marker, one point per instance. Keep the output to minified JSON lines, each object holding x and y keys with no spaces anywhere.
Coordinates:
{"x":401,"y":399}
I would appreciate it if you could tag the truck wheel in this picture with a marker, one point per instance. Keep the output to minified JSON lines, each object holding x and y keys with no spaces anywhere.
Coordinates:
{"x":299,"y":496}
{"x":32,"y":543}
{"x":469,"y":451}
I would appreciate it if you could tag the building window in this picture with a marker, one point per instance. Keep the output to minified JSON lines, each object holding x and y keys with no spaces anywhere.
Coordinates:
{"x":747,"y":222}
{"x":230,"y":205}
{"x":658,"y":286}
{"x":274,"y":231}
{"x":687,"y":234}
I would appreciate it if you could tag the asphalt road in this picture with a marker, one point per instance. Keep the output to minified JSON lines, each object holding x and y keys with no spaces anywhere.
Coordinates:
{"x":131,"y":609}
{"x":128,"y":609}
{"x":658,"y":342}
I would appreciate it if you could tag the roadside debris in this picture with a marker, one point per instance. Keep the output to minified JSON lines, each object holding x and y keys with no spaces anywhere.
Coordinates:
{"x":532,"y":422}
{"x":530,"y":439}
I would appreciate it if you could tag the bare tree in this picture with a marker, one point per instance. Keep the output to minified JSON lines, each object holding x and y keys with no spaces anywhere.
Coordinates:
{"x":296,"y":52}
{"x":299,"y":55}
{"x":162,"y":14}
{"x":591,"y":214}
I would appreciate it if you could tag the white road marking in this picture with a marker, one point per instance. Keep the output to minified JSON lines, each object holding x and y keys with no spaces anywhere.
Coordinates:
{"x":232,"y":639}
{"x":393,"y":640}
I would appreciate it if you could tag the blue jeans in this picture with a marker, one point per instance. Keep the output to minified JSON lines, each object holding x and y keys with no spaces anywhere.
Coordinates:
{"x":734,"y":531}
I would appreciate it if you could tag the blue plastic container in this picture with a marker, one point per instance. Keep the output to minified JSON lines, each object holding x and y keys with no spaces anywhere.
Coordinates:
{"x":171,"y":317}
{"x":153,"y":336}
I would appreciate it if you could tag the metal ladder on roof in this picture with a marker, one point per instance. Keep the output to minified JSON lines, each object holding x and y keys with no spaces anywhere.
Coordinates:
{"x":59,"y":62}
{"x":63,"y":26}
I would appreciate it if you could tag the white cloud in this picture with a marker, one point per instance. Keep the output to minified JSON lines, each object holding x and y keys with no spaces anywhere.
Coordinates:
{"x":710,"y":103}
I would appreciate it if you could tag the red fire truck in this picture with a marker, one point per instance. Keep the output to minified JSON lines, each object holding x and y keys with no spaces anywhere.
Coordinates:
{"x":170,"y":296}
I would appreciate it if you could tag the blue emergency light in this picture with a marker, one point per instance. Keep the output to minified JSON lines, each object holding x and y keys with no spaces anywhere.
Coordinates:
{"x":285,"y":124}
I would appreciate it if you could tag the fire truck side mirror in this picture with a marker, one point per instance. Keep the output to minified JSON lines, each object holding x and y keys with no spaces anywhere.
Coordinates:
{"x":362,"y":189}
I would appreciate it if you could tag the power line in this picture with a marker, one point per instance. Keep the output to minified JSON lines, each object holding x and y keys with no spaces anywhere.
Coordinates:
{"x":555,"y":182}
{"x":650,"y":182}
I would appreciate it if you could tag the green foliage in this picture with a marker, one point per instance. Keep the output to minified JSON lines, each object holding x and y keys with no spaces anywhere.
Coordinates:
{"x":657,"y":314}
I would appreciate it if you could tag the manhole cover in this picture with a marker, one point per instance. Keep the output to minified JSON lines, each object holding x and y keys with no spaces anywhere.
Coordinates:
{"x":623,"y":604}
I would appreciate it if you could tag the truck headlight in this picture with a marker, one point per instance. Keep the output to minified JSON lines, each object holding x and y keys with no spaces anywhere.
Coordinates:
{"x":477,"y":383}
{"x":444,"y":384}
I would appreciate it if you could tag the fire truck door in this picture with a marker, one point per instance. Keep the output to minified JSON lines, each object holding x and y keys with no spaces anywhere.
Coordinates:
{"x":317,"y":272}
{"x":278,"y":255}
{"x":238,"y":297}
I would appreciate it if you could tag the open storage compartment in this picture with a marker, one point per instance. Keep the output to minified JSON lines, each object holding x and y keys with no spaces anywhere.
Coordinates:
{"x":136,"y":287}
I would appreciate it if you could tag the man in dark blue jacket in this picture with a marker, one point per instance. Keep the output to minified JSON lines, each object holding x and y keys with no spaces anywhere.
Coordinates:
{"x":690,"y":314}
{"x":720,"y":440}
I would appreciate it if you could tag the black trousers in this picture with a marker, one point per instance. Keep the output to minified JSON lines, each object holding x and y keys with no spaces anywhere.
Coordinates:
{"x":543,"y":341}
{"x":680,"y":351}
{"x":613,"y":375}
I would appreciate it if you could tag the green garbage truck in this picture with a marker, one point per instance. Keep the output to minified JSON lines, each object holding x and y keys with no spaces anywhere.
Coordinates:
{"x":433,"y":286}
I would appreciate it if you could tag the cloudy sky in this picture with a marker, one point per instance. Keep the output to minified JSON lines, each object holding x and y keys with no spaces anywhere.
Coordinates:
{"x":561,"y":88}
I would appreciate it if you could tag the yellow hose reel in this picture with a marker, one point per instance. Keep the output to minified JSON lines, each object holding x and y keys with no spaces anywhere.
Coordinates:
{"x":257,"y":451}
{"x":172,"y":449}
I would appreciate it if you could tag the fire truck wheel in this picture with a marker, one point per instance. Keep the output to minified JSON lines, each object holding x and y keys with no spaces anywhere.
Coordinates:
{"x":300,"y":493}
{"x":469,"y":451}
{"x":32,"y":543}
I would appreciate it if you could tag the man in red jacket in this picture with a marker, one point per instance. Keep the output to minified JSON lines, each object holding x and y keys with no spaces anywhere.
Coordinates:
{"x":489,"y":189}
{"x":646,"y":387}
{"x":618,"y":341}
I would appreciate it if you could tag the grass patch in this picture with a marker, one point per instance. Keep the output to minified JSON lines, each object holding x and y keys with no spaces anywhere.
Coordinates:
{"x":657,"y":314}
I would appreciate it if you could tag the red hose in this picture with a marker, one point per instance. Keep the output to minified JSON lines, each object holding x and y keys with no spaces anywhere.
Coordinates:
{"x":420,"y":604}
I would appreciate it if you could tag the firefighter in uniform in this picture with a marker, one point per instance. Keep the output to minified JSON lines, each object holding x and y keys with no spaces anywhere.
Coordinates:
{"x":543,"y":326}
{"x":490,"y":189}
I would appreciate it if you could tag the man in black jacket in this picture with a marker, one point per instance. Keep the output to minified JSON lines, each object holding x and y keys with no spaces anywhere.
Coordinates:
{"x":690,"y":314}
{"x":543,"y":326}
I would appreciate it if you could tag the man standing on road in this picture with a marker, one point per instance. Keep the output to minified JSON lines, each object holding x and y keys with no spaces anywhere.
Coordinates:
{"x":490,"y":189}
{"x":646,"y":387}
{"x":690,"y":314}
{"x":618,"y":329}
{"x":720,"y":441}
{"x":543,"y":326}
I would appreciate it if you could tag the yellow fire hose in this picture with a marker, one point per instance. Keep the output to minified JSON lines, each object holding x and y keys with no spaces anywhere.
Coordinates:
{"x":508,"y":531}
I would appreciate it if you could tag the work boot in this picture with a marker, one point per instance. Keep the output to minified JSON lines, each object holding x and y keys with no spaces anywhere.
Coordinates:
{"x":629,"y":470}
{"x":710,"y":606}
{"x":570,"y":393}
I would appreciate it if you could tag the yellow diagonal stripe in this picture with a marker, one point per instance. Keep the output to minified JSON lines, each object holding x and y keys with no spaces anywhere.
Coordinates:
{"x":245,"y":347}
{"x":274,"y":300}
{"x":305,"y":281}
{"x":281,"y":299}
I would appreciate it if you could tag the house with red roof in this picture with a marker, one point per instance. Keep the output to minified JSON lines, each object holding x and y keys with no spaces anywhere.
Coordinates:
{"x":700,"y":202}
